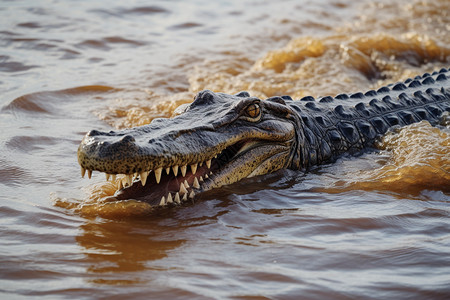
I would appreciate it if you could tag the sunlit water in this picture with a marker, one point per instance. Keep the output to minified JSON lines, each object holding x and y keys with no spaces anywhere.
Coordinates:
{"x":375,"y":226}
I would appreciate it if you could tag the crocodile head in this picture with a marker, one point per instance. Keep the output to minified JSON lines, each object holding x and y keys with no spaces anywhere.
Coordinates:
{"x":216,"y":140}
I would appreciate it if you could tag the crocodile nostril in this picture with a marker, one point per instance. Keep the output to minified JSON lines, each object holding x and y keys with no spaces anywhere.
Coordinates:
{"x":128,"y":139}
{"x":94,"y":133}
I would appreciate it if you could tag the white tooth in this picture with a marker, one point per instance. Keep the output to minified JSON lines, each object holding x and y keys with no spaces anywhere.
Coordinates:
{"x":83,"y":171}
{"x":208,"y":164}
{"x":143,"y":176}
{"x":215,"y":156}
{"x":175,"y":170}
{"x":191,"y":195}
{"x":196,"y":184}
{"x":186,"y":184}
{"x":113,"y":177}
{"x":107,"y":176}
{"x":183,"y":170}
{"x":168,"y":170}
{"x":158,"y":175}
{"x":206,"y":176}
{"x":169,"y":198}
{"x":210,"y":173}
{"x":89,"y":174}
{"x":129,"y":179}
{"x":201,"y":179}
{"x":182,"y":189}
{"x":184,"y":197}
{"x":194,"y":168}
{"x":135,"y":175}
{"x":200,"y":164}
{"x":163,"y":201}
{"x":119,"y":185}
{"x":177,"y":198}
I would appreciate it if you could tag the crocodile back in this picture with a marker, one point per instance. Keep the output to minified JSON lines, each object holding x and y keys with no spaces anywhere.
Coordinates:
{"x":349,"y":123}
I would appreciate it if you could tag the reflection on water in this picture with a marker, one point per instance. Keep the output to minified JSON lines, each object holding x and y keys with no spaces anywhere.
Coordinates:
{"x":130,"y":252}
{"x":371,"y":226}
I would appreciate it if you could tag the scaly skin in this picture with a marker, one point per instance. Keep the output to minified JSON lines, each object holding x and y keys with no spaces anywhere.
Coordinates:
{"x":220,"y":139}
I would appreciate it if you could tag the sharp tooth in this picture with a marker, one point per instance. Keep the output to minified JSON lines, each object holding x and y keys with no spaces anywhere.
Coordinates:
{"x":186,"y":184}
{"x":113,"y":177}
{"x":158,"y":175}
{"x":169,"y":198}
{"x":107,"y":176}
{"x":194,"y":168}
{"x":89,"y":174}
{"x":183,"y":170}
{"x":119,"y":185}
{"x":201,"y":179}
{"x":135,"y":175}
{"x":143,"y":176}
{"x":200,"y":164}
{"x":168,"y":170}
{"x":206,"y":176}
{"x":191,"y":195}
{"x":182,"y":189}
{"x":175,"y":170}
{"x":163,"y":201}
{"x":184,"y":197}
{"x":208,"y":164}
{"x":210,"y":173}
{"x":129,"y":179}
{"x":83,"y":171}
{"x":196,"y":184}
{"x":177,"y":198}
{"x":215,"y":156}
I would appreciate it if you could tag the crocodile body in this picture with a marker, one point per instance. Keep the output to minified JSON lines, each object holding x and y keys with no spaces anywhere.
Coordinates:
{"x":220,"y":139}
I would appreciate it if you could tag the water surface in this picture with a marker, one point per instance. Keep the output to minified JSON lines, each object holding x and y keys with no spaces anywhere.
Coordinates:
{"x":375,"y":226}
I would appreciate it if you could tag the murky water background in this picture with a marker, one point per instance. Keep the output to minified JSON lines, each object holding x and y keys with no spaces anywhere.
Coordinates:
{"x":369,"y":227}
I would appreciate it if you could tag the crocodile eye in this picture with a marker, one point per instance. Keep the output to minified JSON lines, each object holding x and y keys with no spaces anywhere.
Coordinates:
{"x":253,"y":110}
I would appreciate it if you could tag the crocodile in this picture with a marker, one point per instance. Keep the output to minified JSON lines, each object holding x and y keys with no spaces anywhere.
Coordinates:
{"x":219,"y":139}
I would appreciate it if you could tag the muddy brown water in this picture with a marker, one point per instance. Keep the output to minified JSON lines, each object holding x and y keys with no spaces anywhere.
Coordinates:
{"x":375,"y":226}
